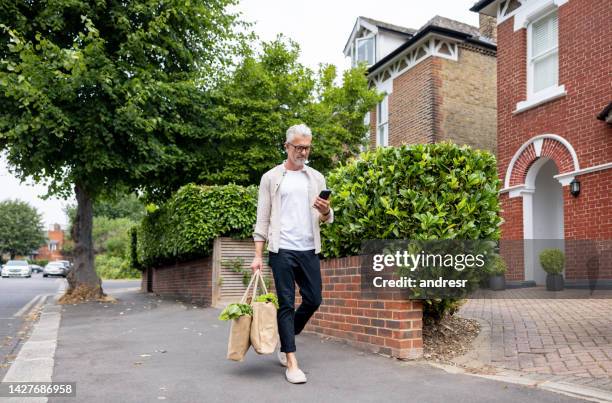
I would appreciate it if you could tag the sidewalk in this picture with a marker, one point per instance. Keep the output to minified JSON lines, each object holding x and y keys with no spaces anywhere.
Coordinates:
{"x":146,"y":349}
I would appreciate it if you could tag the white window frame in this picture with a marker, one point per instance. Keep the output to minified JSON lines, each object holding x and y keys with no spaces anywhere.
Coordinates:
{"x":547,"y":94}
{"x":531,"y":59}
{"x":382,"y":122}
{"x":365,"y":38}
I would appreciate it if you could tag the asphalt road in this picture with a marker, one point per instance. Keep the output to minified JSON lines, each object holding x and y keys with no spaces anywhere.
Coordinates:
{"x":17,"y":296}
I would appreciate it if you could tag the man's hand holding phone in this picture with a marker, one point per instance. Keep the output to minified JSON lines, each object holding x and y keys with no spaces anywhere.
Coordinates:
{"x":322,"y":202}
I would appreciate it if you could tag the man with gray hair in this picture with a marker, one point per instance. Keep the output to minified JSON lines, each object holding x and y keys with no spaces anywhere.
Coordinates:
{"x":289,"y":211}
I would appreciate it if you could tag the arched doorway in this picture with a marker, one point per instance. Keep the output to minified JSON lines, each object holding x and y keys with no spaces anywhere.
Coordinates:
{"x":539,"y":173}
{"x":546,"y":215}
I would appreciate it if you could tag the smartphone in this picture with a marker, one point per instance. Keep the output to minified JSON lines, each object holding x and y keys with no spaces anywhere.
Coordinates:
{"x":325,"y":193}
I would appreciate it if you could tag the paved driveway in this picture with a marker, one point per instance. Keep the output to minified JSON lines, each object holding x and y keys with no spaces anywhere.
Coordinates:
{"x":563,"y":336}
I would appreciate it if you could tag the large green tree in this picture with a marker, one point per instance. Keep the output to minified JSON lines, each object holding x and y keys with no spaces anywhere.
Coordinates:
{"x":21,"y":228}
{"x":272,"y":90}
{"x":98,"y":97}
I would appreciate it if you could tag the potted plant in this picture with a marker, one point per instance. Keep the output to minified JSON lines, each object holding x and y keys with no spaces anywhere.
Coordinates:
{"x":497,"y":269}
{"x":553,"y":261}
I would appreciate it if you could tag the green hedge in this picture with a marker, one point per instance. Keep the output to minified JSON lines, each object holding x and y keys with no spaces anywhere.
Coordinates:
{"x":185,"y":226}
{"x":114,"y":267}
{"x":416,"y":192}
{"x":431,"y":191}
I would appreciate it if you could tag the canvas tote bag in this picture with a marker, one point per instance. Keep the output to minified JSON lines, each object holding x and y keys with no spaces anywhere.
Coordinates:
{"x":264,"y":327}
{"x":240,"y":332}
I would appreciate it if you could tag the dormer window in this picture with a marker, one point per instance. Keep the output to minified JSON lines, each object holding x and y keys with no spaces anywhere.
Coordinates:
{"x":365,"y":50}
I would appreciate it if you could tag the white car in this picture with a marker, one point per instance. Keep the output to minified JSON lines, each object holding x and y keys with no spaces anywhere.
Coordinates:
{"x":16,"y":268}
{"x":66,"y":263}
{"x":55,"y":269}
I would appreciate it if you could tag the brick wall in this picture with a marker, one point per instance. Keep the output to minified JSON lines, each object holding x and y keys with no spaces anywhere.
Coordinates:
{"x":585,"y":56}
{"x":440,"y":99}
{"x":512,"y":231}
{"x":467,"y":98}
{"x":584,"y":60}
{"x":411,"y":106}
{"x":391,"y":325}
{"x":589,"y":216}
{"x":188,"y":281}
{"x":488,"y":26}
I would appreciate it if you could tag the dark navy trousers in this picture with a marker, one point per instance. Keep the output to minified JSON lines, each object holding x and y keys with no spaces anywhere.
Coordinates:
{"x":290,"y":267}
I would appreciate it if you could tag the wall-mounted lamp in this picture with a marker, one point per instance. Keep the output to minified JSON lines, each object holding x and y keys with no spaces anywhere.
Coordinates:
{"x":575,"y":188}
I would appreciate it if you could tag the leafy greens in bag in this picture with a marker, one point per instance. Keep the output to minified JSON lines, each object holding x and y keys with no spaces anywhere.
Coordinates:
{"x":270,"y":297}
{"x":234,"y":311}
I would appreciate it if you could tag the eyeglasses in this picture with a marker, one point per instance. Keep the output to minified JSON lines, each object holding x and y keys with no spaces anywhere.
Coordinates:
{"x":301,"y":149}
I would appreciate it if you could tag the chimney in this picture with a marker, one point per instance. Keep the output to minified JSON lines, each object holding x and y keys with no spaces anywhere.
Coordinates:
{"x":57,"y":227}
{"x":488,"y":26}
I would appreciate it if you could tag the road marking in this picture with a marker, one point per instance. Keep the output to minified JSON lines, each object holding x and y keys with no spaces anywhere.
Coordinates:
{"x":27,"y":306}
{"x":121,"y":290}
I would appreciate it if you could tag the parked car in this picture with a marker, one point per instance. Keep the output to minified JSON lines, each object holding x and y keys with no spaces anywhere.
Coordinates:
{"x":55,"y":269}
{"x":36,"y":268}
{"x":67,"y":264}
{"x":16,"y":268}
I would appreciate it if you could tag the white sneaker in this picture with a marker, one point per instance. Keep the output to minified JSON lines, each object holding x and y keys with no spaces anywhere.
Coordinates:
{"x":282,"y":357}
{"x":295,"y":375}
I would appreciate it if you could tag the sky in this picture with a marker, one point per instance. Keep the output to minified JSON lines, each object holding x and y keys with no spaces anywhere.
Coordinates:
{"x":320,"y":27}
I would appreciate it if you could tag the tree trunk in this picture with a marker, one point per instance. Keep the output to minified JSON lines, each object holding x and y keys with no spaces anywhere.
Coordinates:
{"x":83,"y":281}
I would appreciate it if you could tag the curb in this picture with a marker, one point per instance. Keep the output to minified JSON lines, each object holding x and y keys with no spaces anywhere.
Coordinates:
{"x":35,"y":360}
{"x":517,"y":378}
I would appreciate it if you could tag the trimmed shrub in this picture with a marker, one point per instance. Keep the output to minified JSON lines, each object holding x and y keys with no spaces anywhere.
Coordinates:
{"x":114,"y":267}
{"x":417,"y":192}
{"x":185,"y":226}
{"x":552,"y":261}
{"x":423,"y":191}
{"x":497,"y":266}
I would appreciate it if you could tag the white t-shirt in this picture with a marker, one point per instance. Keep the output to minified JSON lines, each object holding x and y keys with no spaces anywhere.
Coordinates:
{"x":295,"y":214}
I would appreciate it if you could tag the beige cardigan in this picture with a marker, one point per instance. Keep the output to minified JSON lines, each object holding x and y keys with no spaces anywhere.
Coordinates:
{"x":267,"y":227}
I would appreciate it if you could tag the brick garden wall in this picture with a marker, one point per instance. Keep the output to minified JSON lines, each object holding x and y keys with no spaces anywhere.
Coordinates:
{"x":188,"y":281}
{"x":390,"y":325}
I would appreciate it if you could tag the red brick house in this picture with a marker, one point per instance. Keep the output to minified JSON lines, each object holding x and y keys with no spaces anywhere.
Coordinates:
{"x":554,"y":137}
{"x":439,"y":81}
{"x":53,"y":249}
